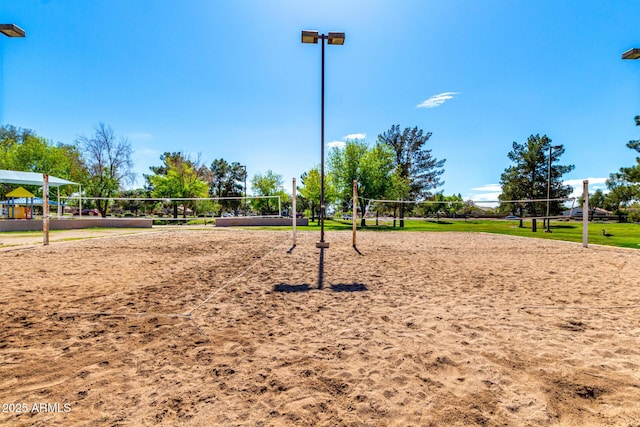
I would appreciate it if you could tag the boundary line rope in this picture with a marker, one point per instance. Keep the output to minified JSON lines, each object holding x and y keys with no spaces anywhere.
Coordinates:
{"x":233,"y":279}
{"x":555,"y":307}
{"x":186,"y":315}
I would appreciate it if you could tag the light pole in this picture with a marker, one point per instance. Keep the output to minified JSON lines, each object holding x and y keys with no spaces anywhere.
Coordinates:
{"x":551,"y":148}
{"x":331,"y":38}
{"x":245,"y":190}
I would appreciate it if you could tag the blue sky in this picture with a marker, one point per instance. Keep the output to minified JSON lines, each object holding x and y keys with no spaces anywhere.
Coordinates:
{"x":231,"y":79}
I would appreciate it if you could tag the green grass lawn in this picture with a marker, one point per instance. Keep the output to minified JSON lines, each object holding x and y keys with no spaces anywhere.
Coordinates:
{"x":624,"y":235}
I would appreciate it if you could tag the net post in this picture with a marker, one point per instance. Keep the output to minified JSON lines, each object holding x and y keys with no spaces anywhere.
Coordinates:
{"x":45,"y":209}
{"x":59,"y":208}
{"x":354,"y":216}
{"x":294,"y":215}
{"x":585,"y":213}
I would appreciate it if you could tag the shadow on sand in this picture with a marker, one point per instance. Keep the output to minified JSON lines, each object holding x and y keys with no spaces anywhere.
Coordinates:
{"x":349,"y":287}
{"x":283,"y":287}
{"x":321,"y":269}
{"x":340,"y":287}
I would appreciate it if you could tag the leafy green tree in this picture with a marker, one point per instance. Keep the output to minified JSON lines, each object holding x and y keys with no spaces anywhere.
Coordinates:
{"x":344,"y":166}
{"x":135,"y":206}
{"x":109,"y":164}
{"x":625,"y":184}
{"x":10,"y":137}
{"x":621,"y":194}
{"x":227,"y":180}
{"x":527,"y":178}
{"x":310,"y":190}
{"x":371,"y":167}
{"x":433,"y":205}
{"x":23,"y":150}
{"x":399,"y":189}
{"x":597,"y":199}
{"x":439,"y":204}
{"x":268,"y":184}
{"x":178,"y":177}
{"x":611,"y":202}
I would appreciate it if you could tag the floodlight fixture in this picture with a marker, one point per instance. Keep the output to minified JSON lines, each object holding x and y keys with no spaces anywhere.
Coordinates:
{"x":310,"y":36}
{"x":631,"y":54}
{"x":335,"y":38}
{"x":11,"y":30}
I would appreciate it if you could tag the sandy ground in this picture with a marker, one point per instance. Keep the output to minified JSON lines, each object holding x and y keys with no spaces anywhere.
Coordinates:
{"x":224,"y":327}
{"x":14,"y":240}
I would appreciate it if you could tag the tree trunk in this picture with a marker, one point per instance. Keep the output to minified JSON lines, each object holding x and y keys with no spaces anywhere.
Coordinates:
{"x":395,"y":210}
{"x":402,"y":215}
{"x":521,"y":212}
{"x":175,"y":210}
{"x":102,"y":207}
{"x":363,"y":223}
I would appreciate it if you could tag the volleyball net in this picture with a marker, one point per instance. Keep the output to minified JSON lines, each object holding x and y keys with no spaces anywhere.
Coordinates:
{"x":388,"y":211}
{"x":454,"y":207}
{"x":171,"y":208}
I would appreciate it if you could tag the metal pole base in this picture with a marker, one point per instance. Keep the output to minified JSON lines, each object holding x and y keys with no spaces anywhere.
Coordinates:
{"x":322,"y":245}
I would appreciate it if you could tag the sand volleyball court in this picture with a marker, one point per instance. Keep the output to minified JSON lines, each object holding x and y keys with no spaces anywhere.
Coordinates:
{"x":224,"y":327}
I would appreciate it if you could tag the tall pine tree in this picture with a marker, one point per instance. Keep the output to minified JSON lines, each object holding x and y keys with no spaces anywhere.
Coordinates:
{"x":414,"y":164}
{"x":527,"y":179}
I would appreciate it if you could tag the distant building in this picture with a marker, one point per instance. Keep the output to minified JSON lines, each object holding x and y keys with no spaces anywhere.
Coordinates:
{"x":596,"y":212}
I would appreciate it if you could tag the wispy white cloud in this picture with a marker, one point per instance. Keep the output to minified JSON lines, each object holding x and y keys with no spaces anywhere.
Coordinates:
{"x":356,"y":136}
{"x":487,"y":193}
{"x":494,"y":188}
{"x":437,"y":100}
{"x":350,"y":137}
{"x":486,"y":200}
{"x":594,"y":184}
